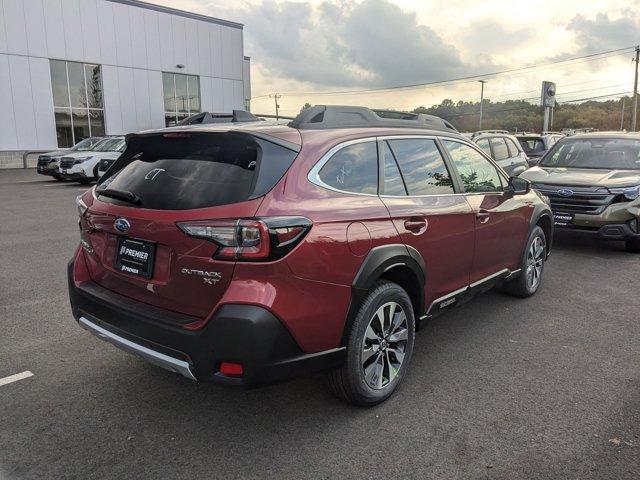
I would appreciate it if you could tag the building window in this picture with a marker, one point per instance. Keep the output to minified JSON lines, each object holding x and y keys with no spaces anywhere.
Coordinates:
{"x":77,"y":101}
{"x":181,"y":97}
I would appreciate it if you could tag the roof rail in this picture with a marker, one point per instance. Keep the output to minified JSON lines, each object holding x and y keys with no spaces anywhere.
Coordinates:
{"x":237,"y":116}
{"x":337,"y":116}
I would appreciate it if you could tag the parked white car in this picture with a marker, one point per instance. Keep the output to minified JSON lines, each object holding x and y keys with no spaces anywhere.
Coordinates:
{"x":83,"y":166}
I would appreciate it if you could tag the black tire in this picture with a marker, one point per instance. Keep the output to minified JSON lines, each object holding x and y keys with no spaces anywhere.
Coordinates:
{"x":58,"y":178}
{"x":96,"y":174}
{"x":521,"y":286}
{"x":632,"y":245}
{"x":349,"y":382}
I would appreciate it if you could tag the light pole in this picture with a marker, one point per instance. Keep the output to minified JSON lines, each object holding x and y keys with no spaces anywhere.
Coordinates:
{"x":482,"y":82}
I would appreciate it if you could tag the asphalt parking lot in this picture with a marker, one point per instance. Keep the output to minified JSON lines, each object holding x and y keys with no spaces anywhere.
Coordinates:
{"x":501,"y":388}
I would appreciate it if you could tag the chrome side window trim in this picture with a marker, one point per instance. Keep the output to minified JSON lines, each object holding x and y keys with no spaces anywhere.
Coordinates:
{"x":314,"y":173}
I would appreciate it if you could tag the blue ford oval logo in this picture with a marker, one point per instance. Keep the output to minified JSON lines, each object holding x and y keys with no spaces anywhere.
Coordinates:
{"x":122,"y":224}
{"x":565,"y":192}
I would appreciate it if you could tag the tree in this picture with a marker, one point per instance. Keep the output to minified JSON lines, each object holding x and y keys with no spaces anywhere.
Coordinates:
{"x":305,"y":106}
{"x":520,"y":115}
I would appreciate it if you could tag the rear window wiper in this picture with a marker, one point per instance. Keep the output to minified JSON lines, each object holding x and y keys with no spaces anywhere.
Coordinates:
{"x":123,"y":195}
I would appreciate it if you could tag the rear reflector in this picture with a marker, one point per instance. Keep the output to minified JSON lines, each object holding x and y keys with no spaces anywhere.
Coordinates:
{"x":233,"y":369}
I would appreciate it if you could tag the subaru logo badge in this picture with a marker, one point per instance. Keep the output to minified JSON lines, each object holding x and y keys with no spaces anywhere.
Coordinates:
{"x":122,"y":224}
{"x":565,"y":192}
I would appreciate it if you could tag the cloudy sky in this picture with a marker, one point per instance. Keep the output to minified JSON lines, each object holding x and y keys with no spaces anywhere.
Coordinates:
{"x":299,"y":48}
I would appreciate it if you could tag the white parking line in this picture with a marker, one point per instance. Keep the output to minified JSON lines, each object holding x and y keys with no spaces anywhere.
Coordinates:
{"x":15,"y":378}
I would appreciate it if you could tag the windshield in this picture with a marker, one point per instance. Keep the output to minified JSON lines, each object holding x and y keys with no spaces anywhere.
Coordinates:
{"x":532,"y":144}
{"x":605,"y":153}
{"x":86,"y":144}
{"x":110,"y":145}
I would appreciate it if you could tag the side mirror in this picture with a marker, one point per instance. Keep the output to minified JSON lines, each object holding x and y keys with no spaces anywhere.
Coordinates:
{"x":519,"y":186}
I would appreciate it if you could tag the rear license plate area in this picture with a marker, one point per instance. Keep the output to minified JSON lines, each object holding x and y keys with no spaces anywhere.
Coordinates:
{"x":135,"y":257}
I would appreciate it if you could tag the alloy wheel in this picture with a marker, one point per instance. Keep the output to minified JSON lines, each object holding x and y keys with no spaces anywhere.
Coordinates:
{"x":384,"y":345}
{"x":535,"y":262}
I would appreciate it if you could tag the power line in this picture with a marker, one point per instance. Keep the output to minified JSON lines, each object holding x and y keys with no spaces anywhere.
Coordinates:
{"x":469,"y":78}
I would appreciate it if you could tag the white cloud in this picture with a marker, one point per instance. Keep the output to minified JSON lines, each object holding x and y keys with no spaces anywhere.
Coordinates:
{"x":315,"y":45}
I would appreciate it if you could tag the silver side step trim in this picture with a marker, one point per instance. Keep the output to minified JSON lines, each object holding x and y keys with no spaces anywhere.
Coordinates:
{"x":444,"y":298}
{"x":160,"y":359}
{"x":504,"y":271}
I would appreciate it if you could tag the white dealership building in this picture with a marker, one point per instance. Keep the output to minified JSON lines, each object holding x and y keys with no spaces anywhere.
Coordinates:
{"x":70,"y":69}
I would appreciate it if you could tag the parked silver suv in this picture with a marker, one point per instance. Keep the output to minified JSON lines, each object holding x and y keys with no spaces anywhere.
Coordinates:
{"x":505,"y":150}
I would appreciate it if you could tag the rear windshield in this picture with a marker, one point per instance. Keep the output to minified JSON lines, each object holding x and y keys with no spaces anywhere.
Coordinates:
{"x":606,"y":153}
{"x":187,"y":171}
{"x":532,"y":145}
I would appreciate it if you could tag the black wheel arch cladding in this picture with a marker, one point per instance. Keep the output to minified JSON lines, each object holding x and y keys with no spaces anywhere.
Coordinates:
{"x":378,"y":261}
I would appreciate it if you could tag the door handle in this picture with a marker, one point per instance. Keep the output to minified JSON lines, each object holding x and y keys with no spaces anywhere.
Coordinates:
{"x":415,"y":224}
{"x":483,"y":216}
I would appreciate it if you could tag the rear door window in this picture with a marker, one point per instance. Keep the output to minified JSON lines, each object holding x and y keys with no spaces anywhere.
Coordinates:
{"x":483,"y":143}
{"x":514,"y":151}
{"x":422,"y":166}
{"x":188,"y":171}
{"x":500,"y":150}
{"x":353,"y":168}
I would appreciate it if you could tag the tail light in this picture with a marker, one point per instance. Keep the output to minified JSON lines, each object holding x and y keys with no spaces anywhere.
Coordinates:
{"x":252,"y":239}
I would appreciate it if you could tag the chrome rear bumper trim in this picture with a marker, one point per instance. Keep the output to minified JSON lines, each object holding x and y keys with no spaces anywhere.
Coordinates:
{"x":160,"y":359}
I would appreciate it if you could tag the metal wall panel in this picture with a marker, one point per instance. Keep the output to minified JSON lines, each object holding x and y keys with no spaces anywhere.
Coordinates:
{"x":14,"y":23}
{"x":107,"y":33}
{"x":8,"y":134}
{"x":72,"y":31}
{"x":90,"y":28}
{"x":54,"y":28}
{"x":127,"y":101}
{"x":178,"y":35}
{"x":141,"y":99}
{"x":24,"y":115}
{"x":138,"y":38}
{"x":124,"y":46}
{"x":156,"y":99}
{"x":42,"y":103}
{"x":166,"y":42}
{"x":111,"y":89}
{"x":35,"y":27}
{"x":152,"y":40}
{"x":3,"y":33}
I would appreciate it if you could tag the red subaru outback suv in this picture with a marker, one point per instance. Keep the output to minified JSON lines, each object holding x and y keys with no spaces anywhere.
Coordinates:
{"x":251,"y":253}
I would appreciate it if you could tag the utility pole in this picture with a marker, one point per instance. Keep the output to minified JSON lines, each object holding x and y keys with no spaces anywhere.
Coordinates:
{"x":275,"y":97}
{"x":482,"y":82}
{"x":635,"y":91}
{"x":622,"y":115}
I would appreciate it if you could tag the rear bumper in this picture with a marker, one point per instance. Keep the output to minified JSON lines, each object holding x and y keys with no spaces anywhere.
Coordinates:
{"x":245,"y":334}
